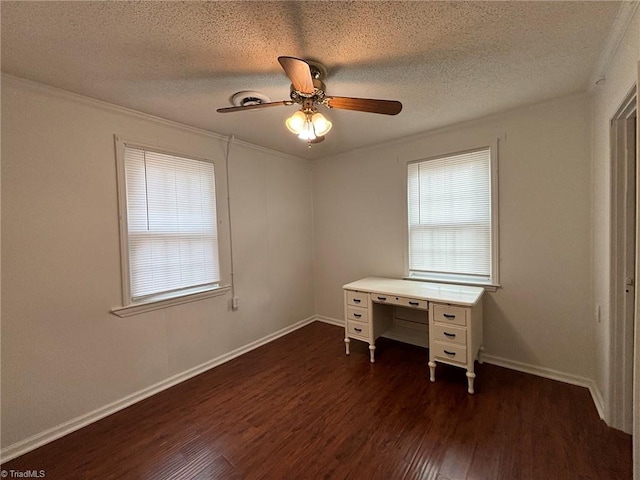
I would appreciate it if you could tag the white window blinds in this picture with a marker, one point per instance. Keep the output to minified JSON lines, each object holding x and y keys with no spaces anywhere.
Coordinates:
{"x":449,"y":205}
{"x":172,"y":225}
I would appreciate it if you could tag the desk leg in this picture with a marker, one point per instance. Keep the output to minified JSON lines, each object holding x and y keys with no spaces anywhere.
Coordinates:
{"x":470,"y":378}
{"x":347,"y":340}
{"x":480,"y":352}
{"x":432,"y":371}
{"x":372,"y":349}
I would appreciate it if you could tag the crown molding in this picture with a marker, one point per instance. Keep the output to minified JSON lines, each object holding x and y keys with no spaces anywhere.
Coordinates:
{"x":618,"y":30}
{"x":101,"y":104}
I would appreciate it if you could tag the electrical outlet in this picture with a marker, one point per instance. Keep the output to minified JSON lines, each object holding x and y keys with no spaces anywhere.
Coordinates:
{"x":596,"y":313}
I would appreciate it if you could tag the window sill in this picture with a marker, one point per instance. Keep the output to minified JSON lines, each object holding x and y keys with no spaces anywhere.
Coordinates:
{"x":487,"y":286}
{"x":148,"y":306}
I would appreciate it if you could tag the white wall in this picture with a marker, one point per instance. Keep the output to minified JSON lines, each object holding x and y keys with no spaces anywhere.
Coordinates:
{"x":621,"y":75}
{"x":541,"y":316}
{"x":63,"y":354}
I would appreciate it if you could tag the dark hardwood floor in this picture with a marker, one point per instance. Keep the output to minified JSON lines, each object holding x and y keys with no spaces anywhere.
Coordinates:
{"x":298,"y":408}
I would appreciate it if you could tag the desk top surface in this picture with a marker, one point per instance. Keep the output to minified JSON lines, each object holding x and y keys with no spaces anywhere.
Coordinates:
{"x":435,"y":292}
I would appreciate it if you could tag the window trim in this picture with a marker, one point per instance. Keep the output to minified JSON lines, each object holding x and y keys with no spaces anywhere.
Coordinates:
{"x":494,"y":281}
{"x":163,"y":300}
{"x":159,"y":303}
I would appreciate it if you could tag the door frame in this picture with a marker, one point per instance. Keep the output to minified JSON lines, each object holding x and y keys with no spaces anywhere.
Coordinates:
{"x":621,"y":333}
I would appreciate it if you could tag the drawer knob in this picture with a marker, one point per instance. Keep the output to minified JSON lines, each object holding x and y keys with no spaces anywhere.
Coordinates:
{"x":357,"y":315}
{"x":356,"y":300}
{"x":453,"y":354}
{"x":450,"y":335}
{"x":358,"y":330}
{"x":450,"y":317}
{"x":415,"y":304}
{"x":382,"y":298}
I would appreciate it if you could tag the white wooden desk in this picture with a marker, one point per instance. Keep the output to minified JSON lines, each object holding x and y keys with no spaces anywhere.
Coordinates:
{"x":445,"y":318}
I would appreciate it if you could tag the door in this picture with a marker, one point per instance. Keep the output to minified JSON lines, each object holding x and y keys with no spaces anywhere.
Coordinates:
{"x":629,"y":269}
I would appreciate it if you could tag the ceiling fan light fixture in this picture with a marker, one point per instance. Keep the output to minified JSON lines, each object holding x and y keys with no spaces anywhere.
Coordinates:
{"x":308,"y":125}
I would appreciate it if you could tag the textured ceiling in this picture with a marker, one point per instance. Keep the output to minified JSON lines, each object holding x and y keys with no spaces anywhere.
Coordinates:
{"x":445,"y":61}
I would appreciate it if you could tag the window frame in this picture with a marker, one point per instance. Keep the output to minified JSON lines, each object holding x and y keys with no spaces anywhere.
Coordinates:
{"x":493,"y":283}
{"x":162,"y":300}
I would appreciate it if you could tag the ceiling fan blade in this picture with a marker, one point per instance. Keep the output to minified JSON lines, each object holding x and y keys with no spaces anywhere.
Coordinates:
{"x":299,"y":73}
{"x":251,"y":107}
{"x":386,"y":107}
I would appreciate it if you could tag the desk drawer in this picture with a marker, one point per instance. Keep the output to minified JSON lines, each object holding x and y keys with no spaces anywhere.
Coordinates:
{"x":358,"y":329}
{"x":358,"y":314}
{"x":414,"y":303}
{"x":450,"y":315}
{"x":385,"y":298}
{"x":403,"y":301}
{"x":449,"y":353}
{"x":358,"y":299}
{"x":448,"y":333}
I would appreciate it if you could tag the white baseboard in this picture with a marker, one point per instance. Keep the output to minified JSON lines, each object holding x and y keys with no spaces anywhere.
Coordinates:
{"x":329,"y":320}
{"x":598,"y":400}
{"x":35,"y":441}
{"x":551,"y":374}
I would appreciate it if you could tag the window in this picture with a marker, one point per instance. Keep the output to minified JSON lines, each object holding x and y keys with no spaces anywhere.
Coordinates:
{"x":168,"y":225}
{"x":451,"y":217}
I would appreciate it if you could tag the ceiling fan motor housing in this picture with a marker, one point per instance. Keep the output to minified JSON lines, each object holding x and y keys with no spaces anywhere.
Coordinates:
{"x":318,"y":70}
{"x":317,"y":96}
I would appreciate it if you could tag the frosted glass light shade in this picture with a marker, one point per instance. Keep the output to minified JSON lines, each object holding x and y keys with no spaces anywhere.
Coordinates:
{"x":295,"y":123}
{"x":321,"y":125}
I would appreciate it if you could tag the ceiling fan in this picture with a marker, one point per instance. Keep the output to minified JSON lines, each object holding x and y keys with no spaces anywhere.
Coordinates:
{"x":309,"y":91}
